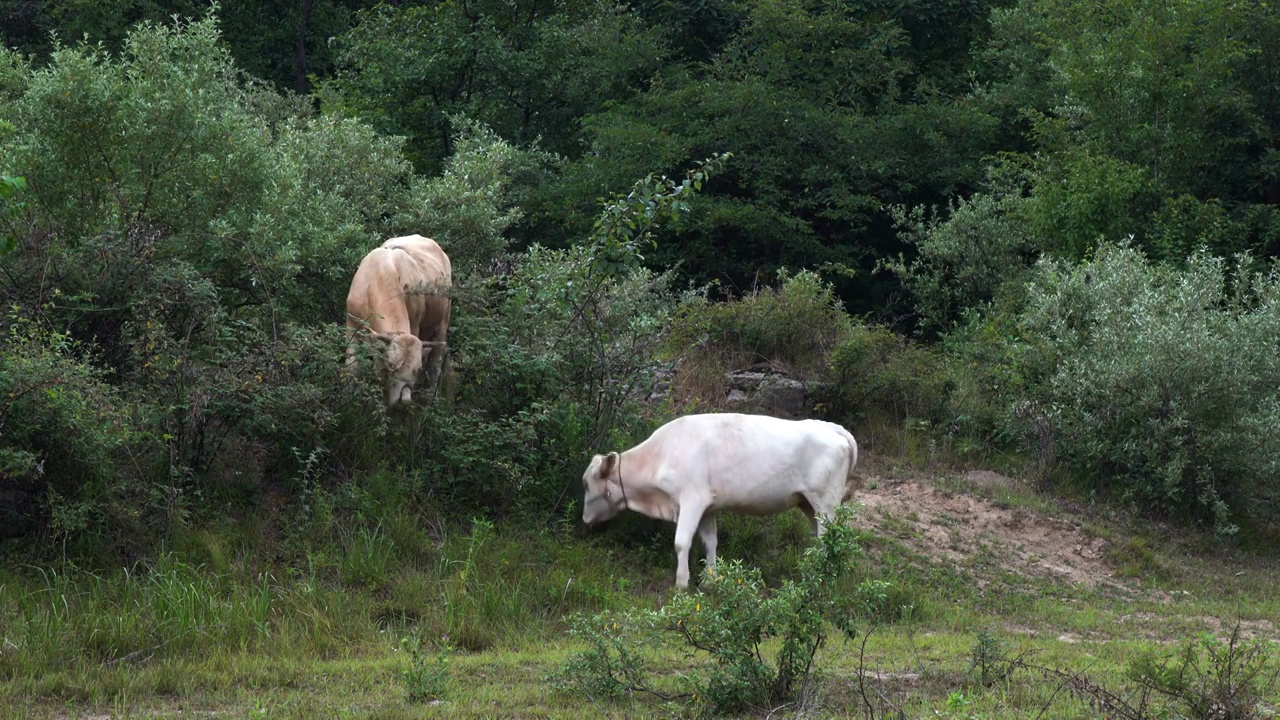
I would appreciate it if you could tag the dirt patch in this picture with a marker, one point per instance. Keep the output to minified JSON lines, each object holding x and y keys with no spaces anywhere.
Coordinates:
{"x":1158,"y":626}
{"x":959,"y":528}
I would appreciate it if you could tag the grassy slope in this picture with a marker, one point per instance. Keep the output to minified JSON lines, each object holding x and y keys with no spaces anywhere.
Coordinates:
{"x":217,"y":627}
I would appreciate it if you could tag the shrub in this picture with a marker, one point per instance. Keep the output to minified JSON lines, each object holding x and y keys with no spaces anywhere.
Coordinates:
{"x":556,"y":356}
{"x":1159,"y":383}
{"x":73,"y":441}
{"x":10,"y":190}
{"x":962,"y":259}
{"x":730,"y":621}
{"x":612,"y":666}
{"x":1211,"y":678}
{"x":795,"y":324}
{"x":470,"y":206}
{"x":875,"y":372}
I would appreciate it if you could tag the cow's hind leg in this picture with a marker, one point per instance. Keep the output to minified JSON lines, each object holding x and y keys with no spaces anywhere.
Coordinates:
{"x":433,"y":358}
{"x":707,"y":534}
{"x":690,"y":517}
{"x":806,"y":507}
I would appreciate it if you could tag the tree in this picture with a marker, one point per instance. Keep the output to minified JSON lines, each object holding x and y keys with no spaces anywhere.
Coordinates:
{"x":810,"y":99}
{"x":284,"y":41}
{"x":528,"y":69}
{"x":1154,"y":119}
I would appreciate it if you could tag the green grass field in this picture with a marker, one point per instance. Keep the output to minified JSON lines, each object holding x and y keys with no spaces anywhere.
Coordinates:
{"x":232,"y":624}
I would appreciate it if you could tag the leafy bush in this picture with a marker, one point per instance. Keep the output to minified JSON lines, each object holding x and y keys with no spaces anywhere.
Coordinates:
{"x":470,"y":206}
{"x":796,"y":324}
{"x":72,"y":441}
{"x":876,"y":372}
{"x":1081,"y":198}
{"x":1158,"y":383}
{"x":10,"y":190}
{"x":612,"y":666}
{"x":557,"y":355}
{"x":963,"y":259}
{"x":730,"y":621}
{"x":1213,"y":679}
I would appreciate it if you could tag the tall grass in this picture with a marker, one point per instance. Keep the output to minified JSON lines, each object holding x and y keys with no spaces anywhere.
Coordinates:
{"x":171,"y":607}
{"x":480,"y":588}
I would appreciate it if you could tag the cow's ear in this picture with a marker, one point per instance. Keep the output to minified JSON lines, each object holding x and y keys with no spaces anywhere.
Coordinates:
{"x":384,"y":337}
{"x":606,"y":465}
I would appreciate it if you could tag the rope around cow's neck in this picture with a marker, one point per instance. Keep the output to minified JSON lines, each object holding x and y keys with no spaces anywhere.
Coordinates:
{"x":625,"y":504}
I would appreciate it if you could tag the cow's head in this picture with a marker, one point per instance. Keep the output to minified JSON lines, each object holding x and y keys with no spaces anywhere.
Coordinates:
{"x":402,"y":367}
{"x":602,"y":500}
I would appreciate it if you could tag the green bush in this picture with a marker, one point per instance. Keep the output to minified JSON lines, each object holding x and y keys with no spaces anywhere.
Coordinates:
{"x":877,"y":373}
{"x":730,"y":621}
{"x":470,"y":206}
{"x":962,"y":259}
{"x":1211,"y":678}
{"x":796,"y":324}
{"x":73,"y":442}
{"x":1158,"y":383}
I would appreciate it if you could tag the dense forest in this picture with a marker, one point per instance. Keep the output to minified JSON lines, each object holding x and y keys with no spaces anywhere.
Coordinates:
{"x":1053,"y":223}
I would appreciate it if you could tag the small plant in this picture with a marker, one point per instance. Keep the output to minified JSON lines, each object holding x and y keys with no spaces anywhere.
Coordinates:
{"x":989,"y":661}
{"x":731,"y":621}
{"x":427,"y":677}
{"x":957,"y":706}
{"x":609,"y":667}
{"x":882,"y":602}
{"x":1213,"y":679}
{"x":367,"y":559}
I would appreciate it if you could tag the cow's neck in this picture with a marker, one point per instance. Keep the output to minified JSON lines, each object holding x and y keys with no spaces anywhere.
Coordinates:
{"x":654,"y":503}
{"x":639,"y":492}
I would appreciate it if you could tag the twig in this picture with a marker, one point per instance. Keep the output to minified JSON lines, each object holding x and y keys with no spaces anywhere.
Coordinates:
{"x":771,"y":712}
{"x":862,"y":672}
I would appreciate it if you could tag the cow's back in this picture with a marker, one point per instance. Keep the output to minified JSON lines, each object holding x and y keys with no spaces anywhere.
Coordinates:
{"x":375,"y":299}
{"x":428,"y":277}
{"x":402,"y":286}
{"x":751,"y":463}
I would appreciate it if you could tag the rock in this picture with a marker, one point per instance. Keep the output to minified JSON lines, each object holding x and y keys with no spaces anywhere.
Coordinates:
{"x":768,"y":391}
{"x":986,"y":478}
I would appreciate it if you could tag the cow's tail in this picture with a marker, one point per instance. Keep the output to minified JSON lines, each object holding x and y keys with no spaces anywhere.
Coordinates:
{"x":850,"y":481}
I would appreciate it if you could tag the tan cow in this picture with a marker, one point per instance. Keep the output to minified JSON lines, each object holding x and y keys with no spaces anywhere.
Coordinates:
{"x":400,"y":295}
{"x":697,"y":466}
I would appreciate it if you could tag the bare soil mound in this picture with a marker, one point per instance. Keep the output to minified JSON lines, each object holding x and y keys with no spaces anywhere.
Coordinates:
{"x":960,"y":528}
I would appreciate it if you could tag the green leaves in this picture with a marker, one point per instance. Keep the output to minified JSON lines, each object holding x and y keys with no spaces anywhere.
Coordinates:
{"x":529,"y":69}
{"x":1159,"y":383}
{"x":730,"y":619}
{"x":626,"y":221}
{"x":11,"y":188}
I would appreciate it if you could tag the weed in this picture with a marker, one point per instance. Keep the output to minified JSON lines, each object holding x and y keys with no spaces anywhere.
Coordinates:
{"x":368,"y":556}
{"x":427,"y":677}
{"x":989,"y":660}
{"x":611,"y":666}
{"x":731,"y":621}
{"x":1213,"y":679}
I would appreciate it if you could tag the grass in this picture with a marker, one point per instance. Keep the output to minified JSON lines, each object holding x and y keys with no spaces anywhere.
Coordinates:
{"x":220,"y":626}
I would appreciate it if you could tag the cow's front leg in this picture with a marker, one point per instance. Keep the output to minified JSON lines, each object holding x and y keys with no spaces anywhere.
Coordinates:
{"x":707,"y":534}
{"x":690,"y":516}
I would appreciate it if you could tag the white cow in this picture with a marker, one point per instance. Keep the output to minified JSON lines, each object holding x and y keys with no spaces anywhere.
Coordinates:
{"x":695,"y":466}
